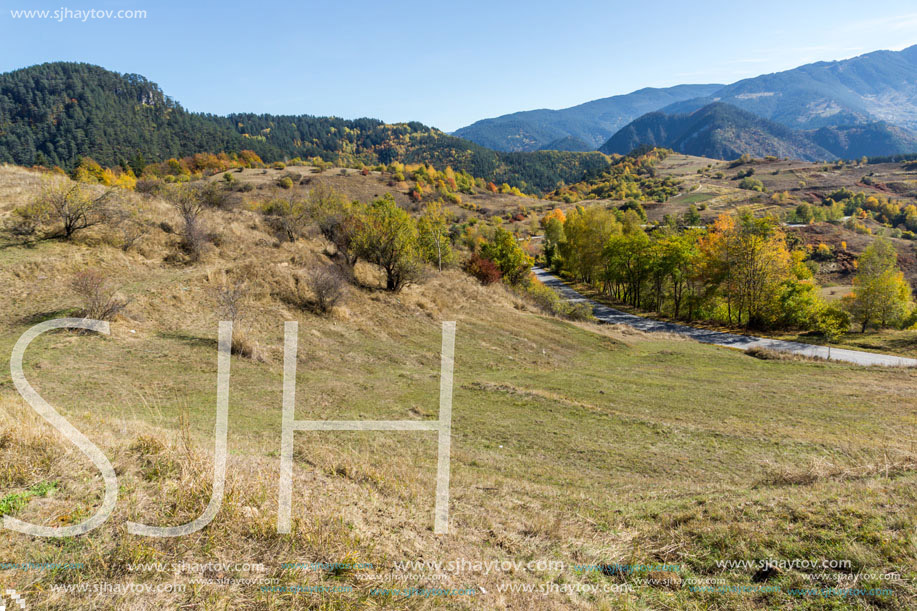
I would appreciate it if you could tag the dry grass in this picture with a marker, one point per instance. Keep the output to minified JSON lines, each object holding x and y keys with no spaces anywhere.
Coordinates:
{"x":572,"y":442}
{"x":366,"y":188}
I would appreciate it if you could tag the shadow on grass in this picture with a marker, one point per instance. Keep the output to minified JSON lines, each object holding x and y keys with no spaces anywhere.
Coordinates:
{"x":191,"y":340}
{"x":39,"y":317}
{"x":897,"y":343}
{"x":11,"y":240}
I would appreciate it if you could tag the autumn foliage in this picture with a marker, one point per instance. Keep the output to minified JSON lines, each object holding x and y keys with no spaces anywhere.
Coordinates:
{"x":482,"y":268}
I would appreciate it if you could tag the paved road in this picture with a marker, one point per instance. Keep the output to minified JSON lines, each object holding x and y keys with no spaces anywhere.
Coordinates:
{"x":718,"y":338}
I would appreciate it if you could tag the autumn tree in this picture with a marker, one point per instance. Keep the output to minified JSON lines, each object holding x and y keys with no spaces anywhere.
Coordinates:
{"x":742,"y":270}
{"x":748,"y":259}
{"x":338,"y":221}
{"x":506,"y":253}
{"x":881,"y":296}
{"x":627,"y":265}
{"x":552,"y":224}
{"x":692,"y":216}
{"x":832,"y":323}
{"x":386,"y":236}
{"x":587,"y":230}
{"x":289,"y":216}
{"x":673,"y":265}
{"x":433,"y":235}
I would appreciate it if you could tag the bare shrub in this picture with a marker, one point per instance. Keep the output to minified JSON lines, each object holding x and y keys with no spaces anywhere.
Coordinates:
{"x":288,"y":217}
{"x":194,"y":236}
{"x":214,"y":195}
{"x":128,"y":225}
{"x":24,"y":221}
{"x":766,"y":354}
{"x":98,"y":295}
{"x":327,"y":286}
{"x":149,"y":186}
{"x":317,"y":290}
{"x":243,"y":346}
{"x":131,"y":231}
{"x":294,"y":291}
{"x":233,"y":300}
{"x":64,"y":206}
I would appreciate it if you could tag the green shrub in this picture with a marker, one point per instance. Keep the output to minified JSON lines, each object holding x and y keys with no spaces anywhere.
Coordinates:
{"x":752,"y":184}
{"x":549,"y":302}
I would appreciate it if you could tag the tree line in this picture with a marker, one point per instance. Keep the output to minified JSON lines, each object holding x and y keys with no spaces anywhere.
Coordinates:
{"x":57,"y":113}
{"x":741,"y":270}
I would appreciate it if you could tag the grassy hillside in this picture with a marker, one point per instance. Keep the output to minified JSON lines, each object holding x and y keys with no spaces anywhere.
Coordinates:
{"x":573,"y":444}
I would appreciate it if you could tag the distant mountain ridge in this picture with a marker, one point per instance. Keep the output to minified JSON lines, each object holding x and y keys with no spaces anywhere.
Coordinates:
{"x":723,"y":131}
{"x":866,"y":105}
{"x":877,"y":86}
{"x":591,"y":123}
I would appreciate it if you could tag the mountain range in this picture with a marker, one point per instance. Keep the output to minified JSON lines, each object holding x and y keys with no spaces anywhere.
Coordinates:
{"x":723,"y":131}
{"x":866,"y":105}
{"x":587,"y":125}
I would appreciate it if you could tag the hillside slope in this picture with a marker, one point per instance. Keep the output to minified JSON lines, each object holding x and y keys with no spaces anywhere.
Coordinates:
{"x":719,"y":131}
{"x":574,"y":444}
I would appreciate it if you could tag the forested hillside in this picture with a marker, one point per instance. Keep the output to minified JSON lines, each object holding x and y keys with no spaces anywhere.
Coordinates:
{"x":53,"y":114}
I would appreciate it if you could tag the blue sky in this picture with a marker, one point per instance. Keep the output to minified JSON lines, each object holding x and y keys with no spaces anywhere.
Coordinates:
{"x":445,"y":64}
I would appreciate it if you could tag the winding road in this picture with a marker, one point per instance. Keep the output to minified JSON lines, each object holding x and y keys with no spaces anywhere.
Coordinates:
{"x":718,"y":338}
